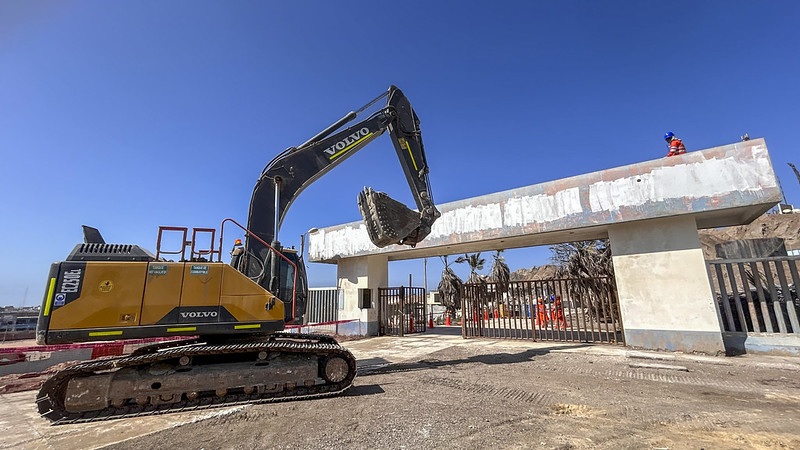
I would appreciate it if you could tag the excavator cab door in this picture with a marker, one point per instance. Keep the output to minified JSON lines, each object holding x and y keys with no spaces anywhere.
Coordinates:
{"x":293,"y":288}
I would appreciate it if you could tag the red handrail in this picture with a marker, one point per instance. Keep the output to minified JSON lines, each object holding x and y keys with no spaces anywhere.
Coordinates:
{"x":250,"y":233}
{"x":182,"y":251}
{"x":201,"y":252}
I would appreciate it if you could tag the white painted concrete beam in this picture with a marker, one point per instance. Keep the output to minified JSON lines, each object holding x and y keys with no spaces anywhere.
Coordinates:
{"x":721,"y":186}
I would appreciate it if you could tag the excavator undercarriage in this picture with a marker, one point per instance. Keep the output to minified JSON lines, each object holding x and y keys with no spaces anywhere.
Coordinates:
{"x":189,"y":375}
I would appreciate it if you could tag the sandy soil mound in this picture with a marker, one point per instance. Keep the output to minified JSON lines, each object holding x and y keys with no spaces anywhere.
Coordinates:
{"x":786,"y":226}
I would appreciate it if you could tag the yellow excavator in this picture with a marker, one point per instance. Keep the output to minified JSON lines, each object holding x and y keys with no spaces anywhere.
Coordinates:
{"x":228,"y":317}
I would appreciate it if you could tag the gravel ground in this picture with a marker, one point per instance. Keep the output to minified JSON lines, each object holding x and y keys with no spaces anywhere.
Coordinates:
{"x":482,"y":394}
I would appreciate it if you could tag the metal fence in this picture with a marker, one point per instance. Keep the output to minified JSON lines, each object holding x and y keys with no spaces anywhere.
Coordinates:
{"x":757,"y":295}
{"x":323,"y":305}
{"x":349,"y":327}
{"x":548,"y":310}
{"x":401,"y":310}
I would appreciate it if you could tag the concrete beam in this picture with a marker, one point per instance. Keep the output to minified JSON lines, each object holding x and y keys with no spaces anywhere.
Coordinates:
{"x":721,"y":186}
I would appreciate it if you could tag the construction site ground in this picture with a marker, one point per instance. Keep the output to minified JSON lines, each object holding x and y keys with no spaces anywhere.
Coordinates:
{"x":437,"y":390}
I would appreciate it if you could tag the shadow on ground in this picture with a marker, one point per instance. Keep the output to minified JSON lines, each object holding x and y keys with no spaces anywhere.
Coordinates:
{"x":369,"y":389}
{"x":376,"y":366}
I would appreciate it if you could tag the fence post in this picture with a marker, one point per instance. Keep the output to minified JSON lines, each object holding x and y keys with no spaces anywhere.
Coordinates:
{"x":402,"y":319}
{"x":463,"y":313}
{"x":425,"y":308}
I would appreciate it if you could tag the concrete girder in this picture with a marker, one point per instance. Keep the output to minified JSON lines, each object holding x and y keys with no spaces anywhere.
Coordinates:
{"x":721,"y":186}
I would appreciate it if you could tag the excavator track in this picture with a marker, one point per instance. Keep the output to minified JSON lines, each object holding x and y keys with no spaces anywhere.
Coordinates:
{"x":284,"y":367}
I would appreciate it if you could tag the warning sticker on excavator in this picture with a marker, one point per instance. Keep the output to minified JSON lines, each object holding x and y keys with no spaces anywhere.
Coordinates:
{"x":157,"y":269}
{"x":105,"y":286}
{"x":199,"y":270}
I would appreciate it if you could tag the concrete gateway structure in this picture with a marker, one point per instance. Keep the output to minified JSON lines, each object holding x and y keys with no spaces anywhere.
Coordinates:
{"x":649,"y":211}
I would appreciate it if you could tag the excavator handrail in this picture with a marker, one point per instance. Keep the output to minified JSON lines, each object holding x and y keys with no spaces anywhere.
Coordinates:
{"x":181,"y":252}
{"x":250,"y":233}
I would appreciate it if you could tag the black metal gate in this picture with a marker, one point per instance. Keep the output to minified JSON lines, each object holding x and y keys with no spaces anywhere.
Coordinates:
{"x":569,"y":310}
{"x":401,"y":310}
{"x":757,"y":295}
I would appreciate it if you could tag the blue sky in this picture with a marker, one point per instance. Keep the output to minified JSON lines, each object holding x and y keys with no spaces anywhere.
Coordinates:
{"x":130,"y":115}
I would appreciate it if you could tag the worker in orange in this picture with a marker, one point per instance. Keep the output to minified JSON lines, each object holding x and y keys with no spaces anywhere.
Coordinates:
{"x":676,"y":146}
{"x":558,"y":313}
{"x":540,"y":311}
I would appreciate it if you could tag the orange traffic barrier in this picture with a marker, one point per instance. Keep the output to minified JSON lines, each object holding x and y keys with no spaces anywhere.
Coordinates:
{"x":411,"y":324}
{"x":447,"y":321}
{"x":486,"y":315}
{"x":430,"y":321}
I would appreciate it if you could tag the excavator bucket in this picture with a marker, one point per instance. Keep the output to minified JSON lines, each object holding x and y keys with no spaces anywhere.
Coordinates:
{"x":388,"y":221}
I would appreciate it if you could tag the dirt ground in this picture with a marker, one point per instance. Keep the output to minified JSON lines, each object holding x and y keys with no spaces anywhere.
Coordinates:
{"x":473,"y":396}
{"x":434,"y":391}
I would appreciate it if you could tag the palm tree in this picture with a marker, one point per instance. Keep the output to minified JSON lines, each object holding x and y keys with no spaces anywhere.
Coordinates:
{"x":586,"y":263}
{"x":501,"y":274}
{"x":450,"y":289}
{"x":479,"y":292}
{"x":475,"y":263}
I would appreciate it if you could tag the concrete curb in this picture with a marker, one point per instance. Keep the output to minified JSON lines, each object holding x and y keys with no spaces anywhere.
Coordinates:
{"x":657,"y":366}
{"x":719,"y":361}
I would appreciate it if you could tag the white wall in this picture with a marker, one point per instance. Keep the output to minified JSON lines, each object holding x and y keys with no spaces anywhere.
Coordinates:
{"x":369,"y":272}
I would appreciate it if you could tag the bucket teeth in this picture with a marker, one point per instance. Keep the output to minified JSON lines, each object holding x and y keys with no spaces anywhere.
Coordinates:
{"x":388,"y":221}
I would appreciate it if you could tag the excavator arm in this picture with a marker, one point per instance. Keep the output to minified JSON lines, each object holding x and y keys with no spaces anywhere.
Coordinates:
{"x":289,"y":173}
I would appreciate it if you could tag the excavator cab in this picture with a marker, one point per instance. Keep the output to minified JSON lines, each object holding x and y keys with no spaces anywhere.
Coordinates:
{"x":292,"y":288}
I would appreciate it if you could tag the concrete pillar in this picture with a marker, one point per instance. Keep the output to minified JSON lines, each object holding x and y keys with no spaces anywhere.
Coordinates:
{"x":369,"y":272}
{"x":664,"y":293}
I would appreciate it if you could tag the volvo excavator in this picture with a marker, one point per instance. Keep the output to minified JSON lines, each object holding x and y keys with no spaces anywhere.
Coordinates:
{"x":228,"y":317}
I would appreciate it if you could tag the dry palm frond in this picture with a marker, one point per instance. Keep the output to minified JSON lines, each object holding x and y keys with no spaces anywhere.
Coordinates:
{"x":501,"y":274}
{"x":588,"y":264}
{"x":450,"y":289}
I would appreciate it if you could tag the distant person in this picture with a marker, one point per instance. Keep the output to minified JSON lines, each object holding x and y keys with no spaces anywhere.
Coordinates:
{"x":676,"y":146}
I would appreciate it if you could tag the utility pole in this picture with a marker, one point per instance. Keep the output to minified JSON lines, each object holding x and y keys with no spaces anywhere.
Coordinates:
{"x":425,"y":274}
